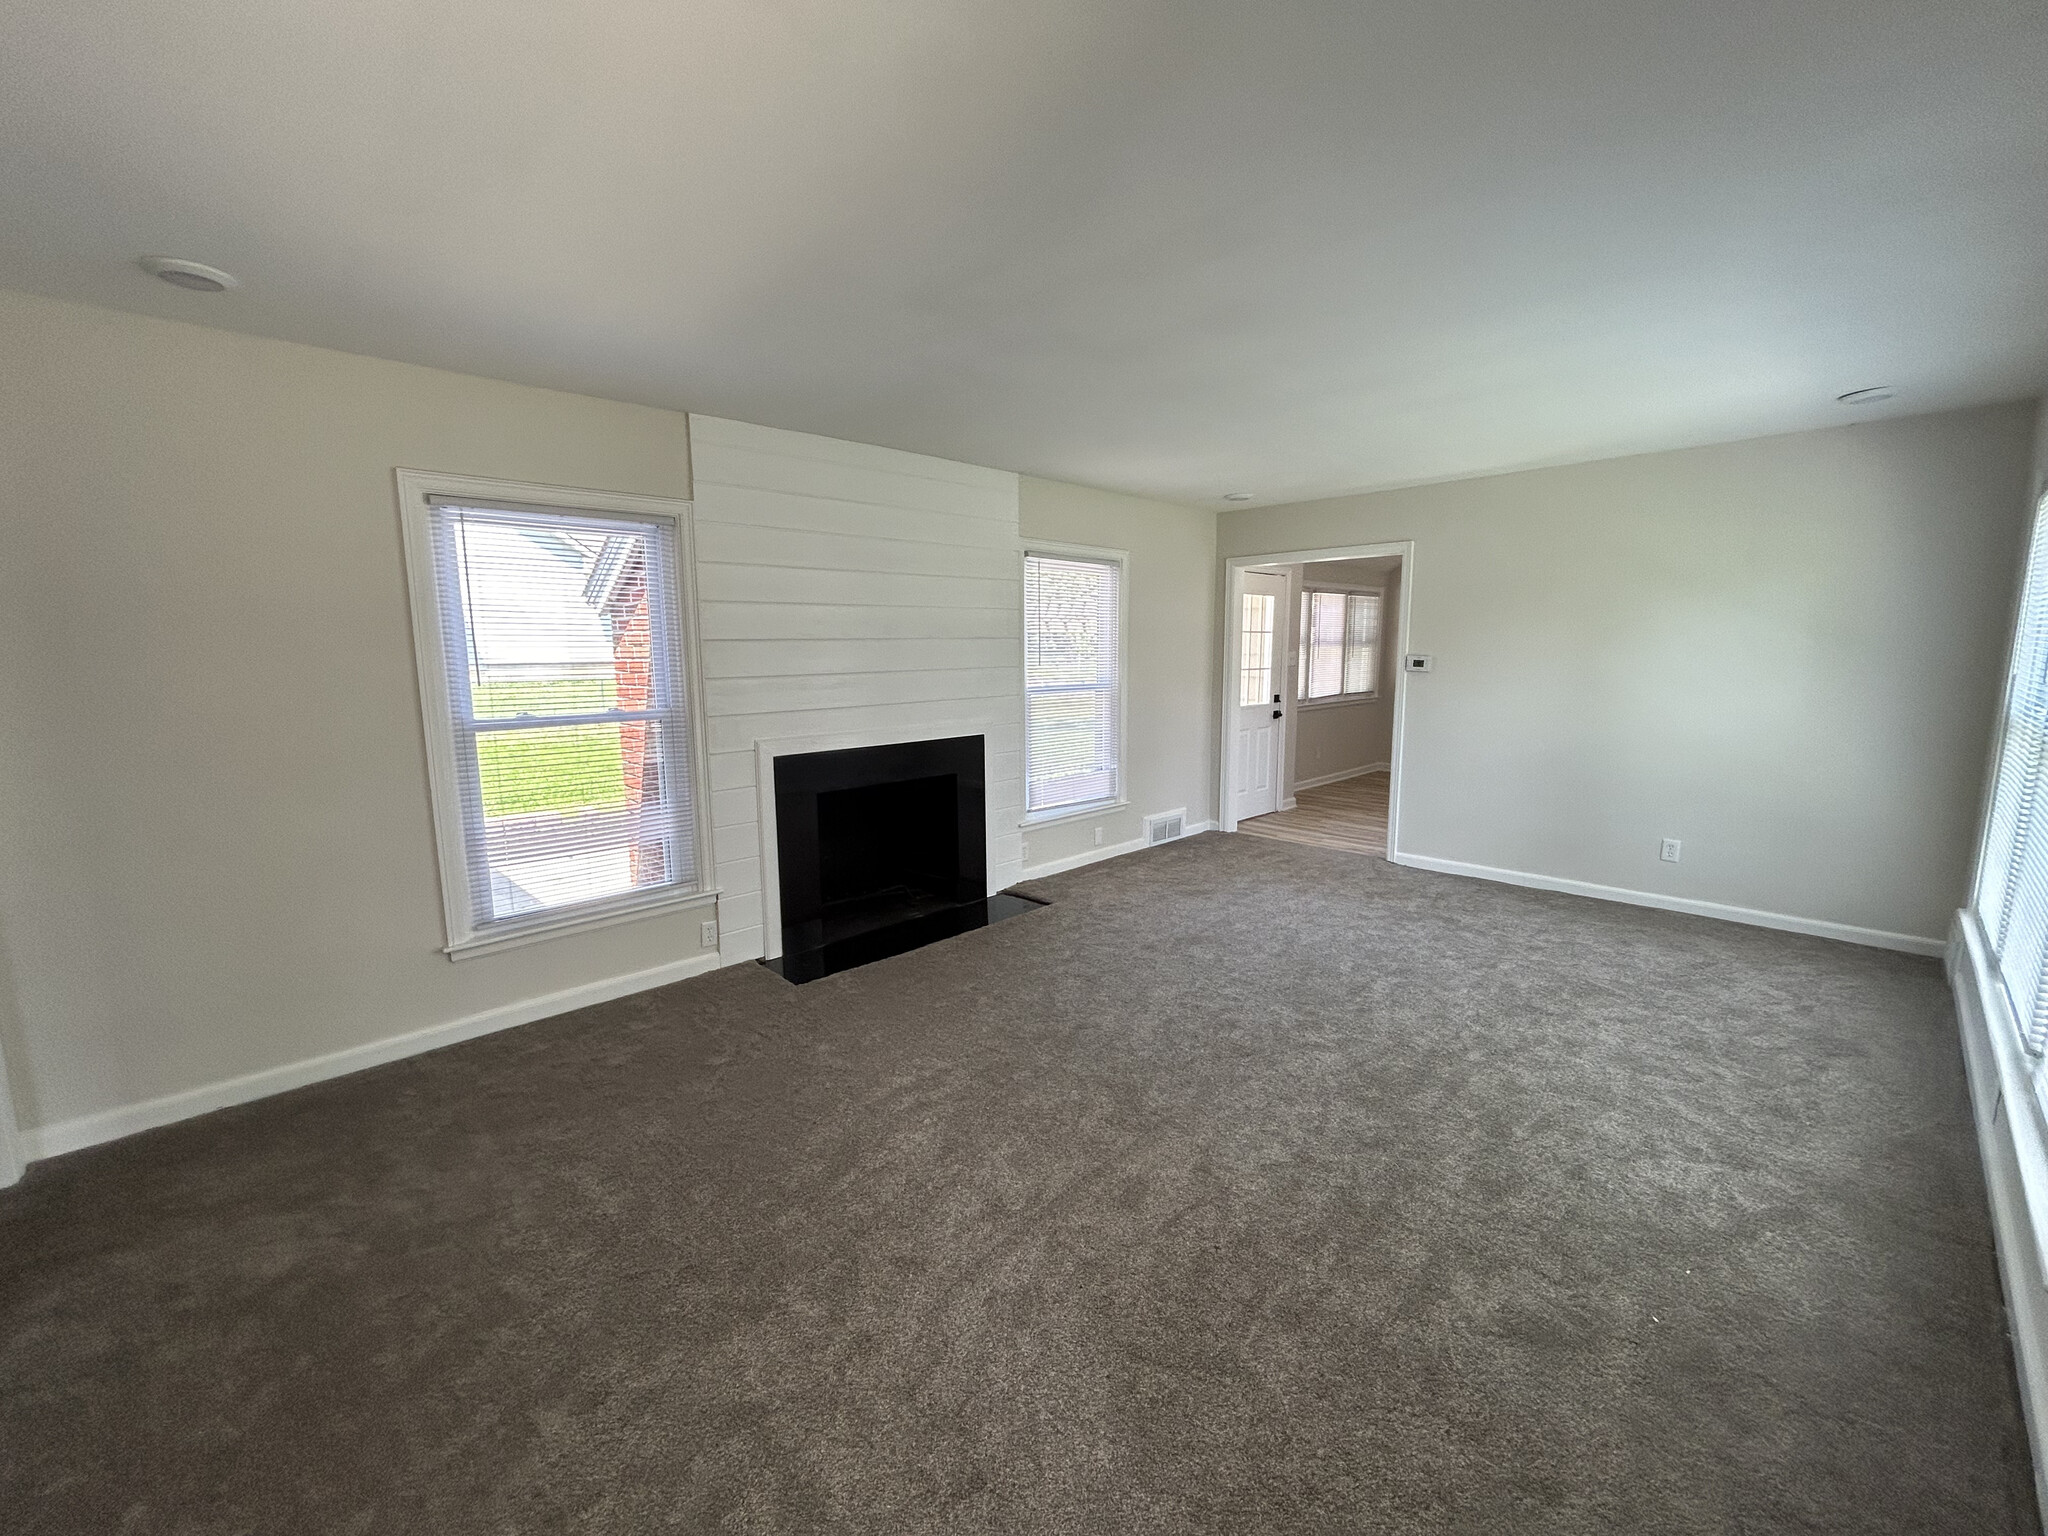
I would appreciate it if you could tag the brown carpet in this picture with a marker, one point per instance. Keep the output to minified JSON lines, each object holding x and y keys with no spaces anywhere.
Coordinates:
{"x":1249,"y":1188}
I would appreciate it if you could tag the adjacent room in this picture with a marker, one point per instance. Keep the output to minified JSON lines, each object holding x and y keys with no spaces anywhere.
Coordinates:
{"x":1051,"y":768}
{"x":1321,"y":638}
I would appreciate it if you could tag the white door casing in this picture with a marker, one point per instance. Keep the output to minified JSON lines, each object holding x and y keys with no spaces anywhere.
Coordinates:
{"x":1259,"y":685}
{"x":1237,"y":573}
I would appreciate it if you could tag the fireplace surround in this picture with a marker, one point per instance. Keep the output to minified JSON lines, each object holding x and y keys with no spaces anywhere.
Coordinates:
{"x":880,"y":850}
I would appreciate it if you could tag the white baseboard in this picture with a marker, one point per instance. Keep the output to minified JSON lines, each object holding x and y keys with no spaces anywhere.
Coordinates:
{"x":1337,"y":778}
{"x":107,"y":1125}
{"x":1076,"y":860}
{"x":1876,"y":938}
{"x":2013,"y":1140}
{"x":1115,"y":850}
{"x":1289,"y":803}
{"x":13,"y":1155}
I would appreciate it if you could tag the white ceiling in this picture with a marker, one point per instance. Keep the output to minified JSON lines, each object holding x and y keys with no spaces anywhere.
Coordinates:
{"x":1292,"y":247}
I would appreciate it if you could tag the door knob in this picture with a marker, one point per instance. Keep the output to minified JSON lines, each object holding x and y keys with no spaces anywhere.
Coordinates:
{"x":1276,"y":714}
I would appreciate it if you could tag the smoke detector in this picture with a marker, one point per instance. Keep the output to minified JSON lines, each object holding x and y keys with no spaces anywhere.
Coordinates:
{"x":193,"y":275}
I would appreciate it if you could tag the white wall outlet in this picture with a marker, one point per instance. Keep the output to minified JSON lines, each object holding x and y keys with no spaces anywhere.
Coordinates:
{"x":710,"y":933}
{"x":1098,"y":837}
{"x":1668,"y":852}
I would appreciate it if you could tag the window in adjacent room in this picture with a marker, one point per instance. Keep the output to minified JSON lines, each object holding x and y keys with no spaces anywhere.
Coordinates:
{"x":1340,"y":645}
{"x":560,"y":721}
{"x":1073,"y":680}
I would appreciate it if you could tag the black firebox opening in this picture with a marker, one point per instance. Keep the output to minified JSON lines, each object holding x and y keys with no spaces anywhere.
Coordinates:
{"x":881,"y":850}
{"x":899,"y":840}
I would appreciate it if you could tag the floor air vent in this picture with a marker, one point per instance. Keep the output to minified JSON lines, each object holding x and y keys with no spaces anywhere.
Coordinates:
{"x":1165,"y":827}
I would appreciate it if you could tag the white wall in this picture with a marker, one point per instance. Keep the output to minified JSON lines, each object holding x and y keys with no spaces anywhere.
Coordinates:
{"x":1785,"y":652}
{"x":1172,"y":655}
{"x":851,"y":592}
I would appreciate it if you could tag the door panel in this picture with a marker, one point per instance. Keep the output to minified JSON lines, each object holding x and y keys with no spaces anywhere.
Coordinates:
{"x":1260,"y":714}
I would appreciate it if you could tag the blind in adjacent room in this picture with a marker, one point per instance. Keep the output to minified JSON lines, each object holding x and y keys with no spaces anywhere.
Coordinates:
{"x":566,"y":696}
{"x":1073,"y":709}
{"x":1340,"y":644}
{"x":2011,"y":895}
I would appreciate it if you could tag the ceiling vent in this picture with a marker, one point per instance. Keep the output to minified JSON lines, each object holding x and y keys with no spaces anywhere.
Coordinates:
{"x":1165,"y":827}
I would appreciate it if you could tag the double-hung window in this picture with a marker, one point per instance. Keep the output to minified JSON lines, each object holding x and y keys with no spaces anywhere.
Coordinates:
{"x":550,"y":632}
{"x":1340,"y":645}
{"x":1073,"y":679}
{"x":2010,"y":897}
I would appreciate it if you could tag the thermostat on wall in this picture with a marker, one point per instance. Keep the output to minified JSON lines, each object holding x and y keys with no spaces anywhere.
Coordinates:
{"x":1417,"y":663}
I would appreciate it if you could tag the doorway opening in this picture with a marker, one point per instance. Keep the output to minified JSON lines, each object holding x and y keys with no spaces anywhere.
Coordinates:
{"x":1313,"y":718}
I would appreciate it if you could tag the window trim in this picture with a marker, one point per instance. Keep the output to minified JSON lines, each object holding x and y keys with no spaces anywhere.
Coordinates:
{"x":1336,"y":700}
{"x":1121,"y":559}
{"x":416,"y":489}
{"x":2020,"y":1018}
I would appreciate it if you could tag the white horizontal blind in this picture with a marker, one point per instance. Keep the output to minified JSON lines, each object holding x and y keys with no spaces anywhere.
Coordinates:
{"x":1340,"y":644}
{"x":558,"y":631}
{"x":2011,"y":895}
{"x":1073,"y":709}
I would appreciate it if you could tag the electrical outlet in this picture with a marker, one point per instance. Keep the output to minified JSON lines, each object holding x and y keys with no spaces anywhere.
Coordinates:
{"x":1669,"y":852}
{"x":1098,"y":837}
{"x":710,"y":934}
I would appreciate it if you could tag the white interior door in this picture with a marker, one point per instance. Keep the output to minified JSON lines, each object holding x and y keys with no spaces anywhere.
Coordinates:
{"x":1255,"y":780}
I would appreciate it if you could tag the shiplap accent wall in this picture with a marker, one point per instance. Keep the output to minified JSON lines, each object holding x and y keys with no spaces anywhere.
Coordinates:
{"x":850,"y":590}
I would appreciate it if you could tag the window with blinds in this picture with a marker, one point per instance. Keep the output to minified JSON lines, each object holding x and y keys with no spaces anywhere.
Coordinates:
{"x":1340,"y":645}
{"x":559,"y":711}
{"x":1073,"y":684}
{"x":2010,"y":900}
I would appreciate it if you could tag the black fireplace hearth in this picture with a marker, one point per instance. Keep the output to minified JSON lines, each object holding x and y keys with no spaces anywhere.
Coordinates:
{"x":881,"y":850}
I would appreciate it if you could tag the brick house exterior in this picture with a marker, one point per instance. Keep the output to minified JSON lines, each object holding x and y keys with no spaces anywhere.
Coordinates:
{"x":629,"y":620}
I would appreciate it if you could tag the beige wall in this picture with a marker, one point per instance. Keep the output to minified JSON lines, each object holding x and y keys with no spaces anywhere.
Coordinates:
{"x":1171,"y":654}
{"x":216,"y":855}
{"x":1785,"y":652}
{"x":2040,"y":473}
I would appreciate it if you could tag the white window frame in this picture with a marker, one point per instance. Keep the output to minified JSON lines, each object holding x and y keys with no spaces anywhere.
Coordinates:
{"x":1331,"y":701}
{"x":1121,"y":559}
{"x":2022,"y":1017}
{"x":417,"y":490}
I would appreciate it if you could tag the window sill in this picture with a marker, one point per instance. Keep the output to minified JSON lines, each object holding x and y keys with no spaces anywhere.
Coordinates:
{"x":579,"y":921}
{"x":1340,"y":700}
{"x":1073,"y":812}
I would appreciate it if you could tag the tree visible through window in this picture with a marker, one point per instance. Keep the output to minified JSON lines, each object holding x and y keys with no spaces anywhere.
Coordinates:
{"x":1340,"y":645}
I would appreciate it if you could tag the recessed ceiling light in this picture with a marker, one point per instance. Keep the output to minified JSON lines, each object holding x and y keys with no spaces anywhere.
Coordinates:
{"x":1869,"y":396}
{"x":1238,"y":496}
{"x":189,"y":274}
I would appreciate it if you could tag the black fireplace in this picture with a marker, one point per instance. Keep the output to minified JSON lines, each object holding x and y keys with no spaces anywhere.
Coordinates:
{"x":881,"y":850}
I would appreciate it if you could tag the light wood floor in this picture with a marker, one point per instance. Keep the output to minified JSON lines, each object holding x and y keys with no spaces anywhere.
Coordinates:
{"x":1350,"y":814}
